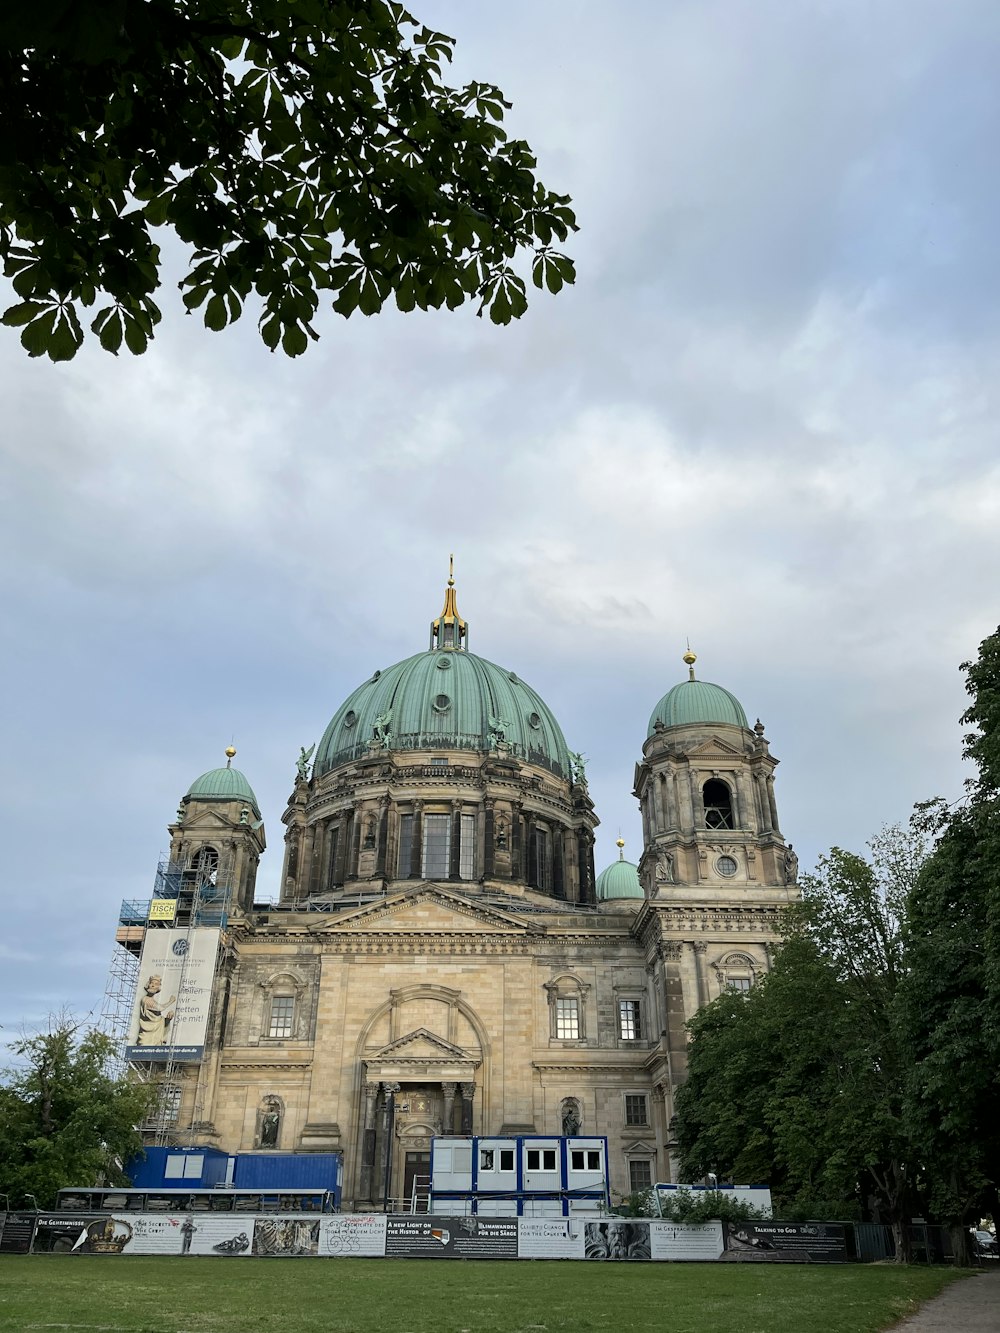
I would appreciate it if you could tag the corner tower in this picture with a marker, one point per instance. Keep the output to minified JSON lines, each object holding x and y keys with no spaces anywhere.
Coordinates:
{"x":715,"y":869}
{"x":706,"y":791}
{"x":217,"y":836}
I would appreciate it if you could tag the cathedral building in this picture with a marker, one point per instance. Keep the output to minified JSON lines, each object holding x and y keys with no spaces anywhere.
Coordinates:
{"x":442,"y":943}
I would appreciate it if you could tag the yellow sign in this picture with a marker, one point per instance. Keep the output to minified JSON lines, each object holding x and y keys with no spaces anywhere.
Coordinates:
{"x":162,"y":909}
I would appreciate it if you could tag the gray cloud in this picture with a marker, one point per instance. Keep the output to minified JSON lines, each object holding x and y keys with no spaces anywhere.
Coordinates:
{"x":765,"y":418}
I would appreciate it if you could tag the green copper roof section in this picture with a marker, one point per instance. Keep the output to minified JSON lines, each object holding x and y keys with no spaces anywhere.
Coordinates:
{"x":697,"y":701}
{"x":223,"y":784}
{"x":619,"y":880}
{"x":444,"y":699}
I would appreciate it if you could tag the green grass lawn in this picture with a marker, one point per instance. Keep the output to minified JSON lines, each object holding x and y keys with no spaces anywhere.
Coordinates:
{"x":175,"y":1295}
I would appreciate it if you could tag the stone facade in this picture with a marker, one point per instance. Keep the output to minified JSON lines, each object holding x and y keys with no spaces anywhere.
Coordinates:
{"x":496,"y":995}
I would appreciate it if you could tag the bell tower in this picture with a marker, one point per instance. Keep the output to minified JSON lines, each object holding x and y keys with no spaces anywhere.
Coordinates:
{"x":217,"y":837}
{"x":706,"y":791}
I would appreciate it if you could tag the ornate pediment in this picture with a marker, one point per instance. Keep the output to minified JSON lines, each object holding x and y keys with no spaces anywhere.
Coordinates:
{"x":421,"y":1044}
{"x":428,"y":909}
{"x":715,"y":749}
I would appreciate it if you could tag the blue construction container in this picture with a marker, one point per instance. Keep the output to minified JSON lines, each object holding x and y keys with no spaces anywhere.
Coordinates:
{"x":527,"y":1175}
{"x":290,"y":1171}
{"x":179,"y":1168}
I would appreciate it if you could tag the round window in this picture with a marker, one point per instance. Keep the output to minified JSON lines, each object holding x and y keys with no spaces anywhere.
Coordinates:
{"x":534,"y":720}
{"x":376,"y":674}
{"x":444,"y":664}
{"x":350,"y":719}
{"x":726,"y":865}
{"x":442,"y":703}
{"x":511,"y":677}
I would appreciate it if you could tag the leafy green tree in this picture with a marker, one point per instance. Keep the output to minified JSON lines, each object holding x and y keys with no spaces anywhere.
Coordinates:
{"x":950,"y":998}
{"x":296,"y":147}
{"x":64,"y":1118}
{"x":800,"y":1083}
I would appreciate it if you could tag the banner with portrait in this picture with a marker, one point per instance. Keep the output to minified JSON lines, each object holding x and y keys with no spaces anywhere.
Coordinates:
{"x":176,"y":972}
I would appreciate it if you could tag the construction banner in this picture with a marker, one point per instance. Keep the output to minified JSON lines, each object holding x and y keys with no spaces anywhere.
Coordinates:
{"x":170,"y":1016}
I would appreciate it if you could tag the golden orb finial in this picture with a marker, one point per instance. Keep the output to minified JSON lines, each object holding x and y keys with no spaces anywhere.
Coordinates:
{"x":451,"y":571}
{"x":620,"y":844}
{"x":230,"y":755}
{"x":690,"y":658}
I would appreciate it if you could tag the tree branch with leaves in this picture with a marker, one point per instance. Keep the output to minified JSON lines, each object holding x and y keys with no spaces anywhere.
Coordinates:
{"x":297,"y":148}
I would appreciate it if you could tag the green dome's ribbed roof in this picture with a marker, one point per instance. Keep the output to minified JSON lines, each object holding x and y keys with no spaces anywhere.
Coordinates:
{"x":619,"y":880}
{"x":223,"y":784}
{"x":444,"y":699}
{"x":697,"y":701}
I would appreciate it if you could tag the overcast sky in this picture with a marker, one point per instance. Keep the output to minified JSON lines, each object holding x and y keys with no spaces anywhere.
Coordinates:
{"x":765,"y":419}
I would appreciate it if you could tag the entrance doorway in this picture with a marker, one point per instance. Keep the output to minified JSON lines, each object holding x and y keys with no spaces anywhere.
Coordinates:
{"x":417,"y":1170}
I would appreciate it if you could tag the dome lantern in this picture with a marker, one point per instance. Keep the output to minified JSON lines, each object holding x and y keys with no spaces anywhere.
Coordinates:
{"x":449,"y":630}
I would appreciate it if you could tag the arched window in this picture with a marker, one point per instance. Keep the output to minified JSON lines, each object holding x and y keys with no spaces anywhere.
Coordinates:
{"x":205,"y":864}
{"x":736,"y":972}
{"x":718,"y":804}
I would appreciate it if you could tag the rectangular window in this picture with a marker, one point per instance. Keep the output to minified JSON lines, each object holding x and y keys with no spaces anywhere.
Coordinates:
{"x":636,"y":1108}
{"x":629,"y":1023}
{"x":568,"y":1018}
{"x":541,"y":867}
{"x":439,"y":763}
{"x":543,"y":1159}
{"x":467,"y":855}
{"x":486,"y":1159}
{"x":282,"y":1015}
{"x":437,"y":847}
{"x":739,"y":983}
{"x":577,"y":1159}
{"x":594,"y":1160}
{"x":170,"y":1104}
{"x":506,"y":1159}
{"x":640,"y":1176}
{"x":405,"y":846}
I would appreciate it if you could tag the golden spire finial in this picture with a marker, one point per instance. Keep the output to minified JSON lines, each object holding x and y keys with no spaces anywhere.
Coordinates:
{"x":449,"y":629}
{"x":620,"y":844}
{"x":690,"y":658}
{"x":230,"y":755}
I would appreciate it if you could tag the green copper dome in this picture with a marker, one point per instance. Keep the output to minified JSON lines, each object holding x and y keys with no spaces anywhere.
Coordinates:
{"x":619,"y":880}
{"x":223,"y":784}
{"x":697,"y":701}
{"x":444,"y":699}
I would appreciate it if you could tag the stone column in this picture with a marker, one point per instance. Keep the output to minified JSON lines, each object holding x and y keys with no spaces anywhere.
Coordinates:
{"x":658,"y":819}
{"x":468,"y":1092}
{"x":763,"y":803}
{"x":448,"y":1121}
{"x":489,"y":839}
{"x":368,"y":1141}
{"x":385,"y":1157}
{"x":772,"y":808}
{"x":416,"y":843}
{"x":686,"y":806}
{"x":306,"y":862}
{"x":699,"y":947}
{"x":381,"y":858}
{"x":455,"y":849}
{"x":670,"y":800}
{"x":697,"y":800}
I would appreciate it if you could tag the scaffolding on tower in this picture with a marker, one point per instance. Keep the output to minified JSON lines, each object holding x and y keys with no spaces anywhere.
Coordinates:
{"x":183,"y":899}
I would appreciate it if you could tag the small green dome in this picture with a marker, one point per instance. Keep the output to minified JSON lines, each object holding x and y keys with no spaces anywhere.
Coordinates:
{"x":619,"y":880}
{"x":223,"y":784}
{"x":444,"y":699}
{"x":697,"y":701}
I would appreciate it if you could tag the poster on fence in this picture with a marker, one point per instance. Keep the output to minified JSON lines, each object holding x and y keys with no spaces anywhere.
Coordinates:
{"x":785,"y":1242}
{"x":620,"y":1238}
{"x":550,"y":1238}
{"x":687,"y":1241}
{"x":451,"y":1237}
{"x":353,"y":1235}
{"x":16,"y":1232}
